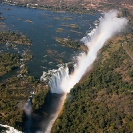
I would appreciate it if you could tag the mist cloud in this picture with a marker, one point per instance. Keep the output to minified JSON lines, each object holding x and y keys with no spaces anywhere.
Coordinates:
{"x":109,"y":25}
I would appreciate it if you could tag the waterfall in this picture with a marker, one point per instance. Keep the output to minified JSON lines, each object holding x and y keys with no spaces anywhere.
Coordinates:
{"x":55,"y":77}
{"x":28,"y":112}
{"x":56,"y":80}
{"x":61,"y":81}
{"x":9,"y":129}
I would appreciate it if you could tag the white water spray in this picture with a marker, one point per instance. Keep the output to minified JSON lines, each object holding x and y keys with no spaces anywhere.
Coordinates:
{"x":9,"y":129}
{"x":57,"y":79}
{"x":108,"y":26}
{"x":28,"y":111}
{"x":62,"y":82}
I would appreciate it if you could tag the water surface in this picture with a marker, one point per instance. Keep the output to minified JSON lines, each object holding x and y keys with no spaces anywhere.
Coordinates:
{"x":47,"y":53}
{"x":42,"y":30}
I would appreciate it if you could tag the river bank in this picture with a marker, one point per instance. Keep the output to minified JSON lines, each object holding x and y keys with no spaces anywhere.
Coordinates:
{"x":16,"y":84}
{"x":29,"y":48}
{"x":56,"y":8}
{"x":46,"y":55}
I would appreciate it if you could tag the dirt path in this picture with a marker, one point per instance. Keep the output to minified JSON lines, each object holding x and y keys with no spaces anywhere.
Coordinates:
{"x":127,"y":52}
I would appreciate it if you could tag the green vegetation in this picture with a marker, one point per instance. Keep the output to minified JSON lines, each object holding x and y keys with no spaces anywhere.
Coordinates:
{"x":58,"y":57}
{"x":76,"y":32}
{"x":70,"y":43}
{"x":2,"y":26}
{"x":8,"y":62}
{"x":59,"y":30}
{"x":29,"y":21}
{"x":102,"y":101}
{"x":72,"y":9}
{"x":67,"y":42}
{"x":74,"y":26}
{"x":64,"y":18}
{"x":12,"y":38}
{"x":39,"y":98}
{"x":2,"y":18}
{"x":15,"y":90}
{"x":127,"y":45}
{"x":27,"y":57}
{"x":14,"y":95}
{"x":107,"y":6}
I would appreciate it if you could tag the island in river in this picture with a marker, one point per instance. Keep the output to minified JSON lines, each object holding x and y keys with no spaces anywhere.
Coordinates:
{"x":16,"y":83}
{"x":16,"y":88}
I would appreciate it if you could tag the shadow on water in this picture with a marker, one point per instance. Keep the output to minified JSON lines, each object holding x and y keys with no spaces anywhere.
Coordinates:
{"x":42,"y":117}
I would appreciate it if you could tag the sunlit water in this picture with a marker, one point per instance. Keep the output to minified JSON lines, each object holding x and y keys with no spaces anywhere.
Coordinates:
{"x":41,"y":32}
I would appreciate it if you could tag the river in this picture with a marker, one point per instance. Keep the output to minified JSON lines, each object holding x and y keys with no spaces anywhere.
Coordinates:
{"x":47,"y":53}
{"x":42,"y":30}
